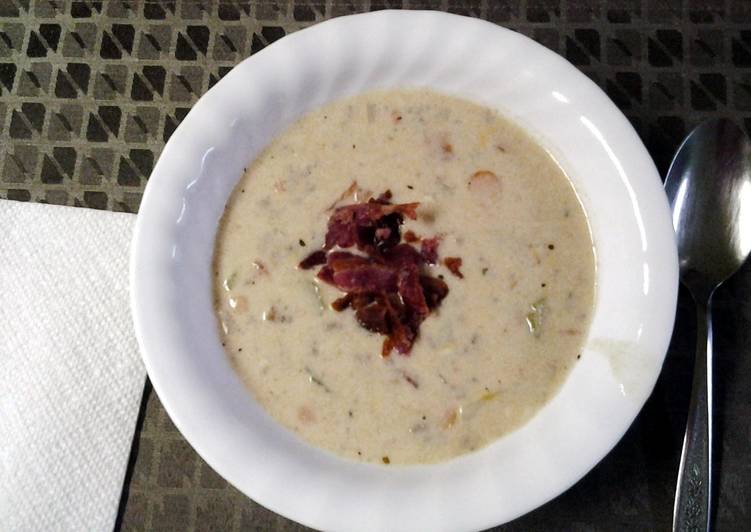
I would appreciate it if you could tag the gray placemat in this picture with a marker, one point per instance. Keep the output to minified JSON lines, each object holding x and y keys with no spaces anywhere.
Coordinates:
{"x":91,"y":90}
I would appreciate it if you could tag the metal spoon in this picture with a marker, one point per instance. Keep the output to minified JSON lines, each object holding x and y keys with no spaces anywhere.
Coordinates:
{"x":709,"y":189}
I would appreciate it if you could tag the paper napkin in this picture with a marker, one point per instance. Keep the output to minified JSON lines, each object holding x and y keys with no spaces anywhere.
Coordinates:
{"x":70,"y":375}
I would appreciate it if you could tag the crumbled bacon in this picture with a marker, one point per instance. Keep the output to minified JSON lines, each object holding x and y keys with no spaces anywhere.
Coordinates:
{"x":386,"y":286}
{"x":429,"y":250}
{"x":402,"y":256}
{"x":314,"y":259}
{"x":434,"y":289}
{"x":411,"y":237}
{"x":373,"y":316}
{"x":365,"y":279}
{"x":453,"y":264}
{"x":357,"y":225}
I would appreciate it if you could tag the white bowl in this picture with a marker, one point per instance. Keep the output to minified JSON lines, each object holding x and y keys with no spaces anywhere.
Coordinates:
{"x":637,"y":273}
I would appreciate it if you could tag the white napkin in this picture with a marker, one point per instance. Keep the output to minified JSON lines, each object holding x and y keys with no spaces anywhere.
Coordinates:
{"x":70,"y":376}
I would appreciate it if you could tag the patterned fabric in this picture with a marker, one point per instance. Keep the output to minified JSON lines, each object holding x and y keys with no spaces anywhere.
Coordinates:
{"x":91,"y":90}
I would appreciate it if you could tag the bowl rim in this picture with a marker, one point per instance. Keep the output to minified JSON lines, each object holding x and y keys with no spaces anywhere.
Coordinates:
{"x":146,"y":313}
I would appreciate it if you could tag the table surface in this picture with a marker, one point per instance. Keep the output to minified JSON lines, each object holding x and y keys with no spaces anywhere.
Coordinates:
{"x":90,"y":91}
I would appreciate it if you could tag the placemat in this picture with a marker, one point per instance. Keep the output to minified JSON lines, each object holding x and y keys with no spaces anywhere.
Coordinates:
{"x":91,"y":90}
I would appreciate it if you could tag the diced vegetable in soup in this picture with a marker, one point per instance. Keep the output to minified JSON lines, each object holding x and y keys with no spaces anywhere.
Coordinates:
{"x":321,"y":277}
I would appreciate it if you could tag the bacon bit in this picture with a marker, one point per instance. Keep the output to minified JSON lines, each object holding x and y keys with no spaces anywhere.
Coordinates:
{"x":411,"y":237}
{"x":447,"y":149}
{"x":387,"y":347}
{"x":314,"y":259}
{"x":402,"y":256}
{"x":366,"y":279}
{"x":357,"y":224}
{"x":396,"y":117}
{"x":429,"y":249}
{"x":373,"y":316}
{"x":385,"y":198}
{"x":386,"y":288}
{"x":412,"y":293}
{"x":453,"y":264}
{"x":434,"y":289}
{"x":350,"y":192}
{"x":341,"y":303}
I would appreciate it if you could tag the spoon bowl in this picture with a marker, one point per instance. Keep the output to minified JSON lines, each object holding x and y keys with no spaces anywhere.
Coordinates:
{"x":709,"y":188}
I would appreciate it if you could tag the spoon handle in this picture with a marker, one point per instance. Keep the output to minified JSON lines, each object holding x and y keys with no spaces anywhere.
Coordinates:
{"x":692,"y":512}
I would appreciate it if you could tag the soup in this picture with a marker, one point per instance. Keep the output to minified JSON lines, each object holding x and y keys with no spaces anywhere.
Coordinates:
{"x":504,"y":336}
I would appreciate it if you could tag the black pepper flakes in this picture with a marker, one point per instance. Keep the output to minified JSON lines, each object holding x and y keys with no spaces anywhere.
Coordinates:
{"x":551,"y":246}
{"x":386,"y":460}
{"x":302,"y":242}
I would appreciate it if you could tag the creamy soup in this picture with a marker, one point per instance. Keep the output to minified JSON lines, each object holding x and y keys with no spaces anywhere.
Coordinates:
{"x":502,"y":341}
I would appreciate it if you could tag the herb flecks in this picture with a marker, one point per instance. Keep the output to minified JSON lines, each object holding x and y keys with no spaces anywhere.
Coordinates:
{"x":489,"y":396}
{"x":411,"y":380}
{"x":316,"y":380}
